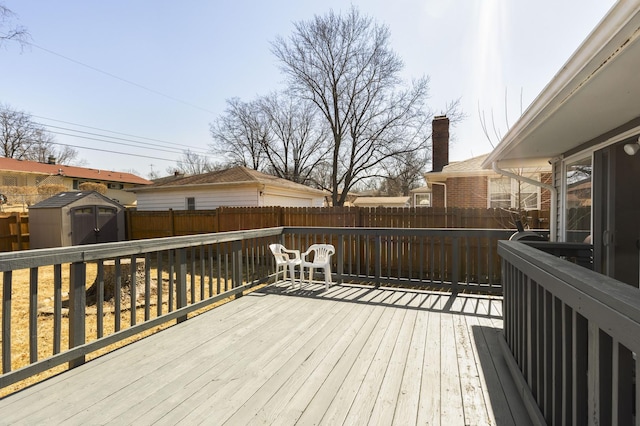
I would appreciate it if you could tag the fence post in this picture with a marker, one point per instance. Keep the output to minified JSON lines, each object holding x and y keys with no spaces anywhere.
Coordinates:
{"x":77,"y":304}
{"x":127,"y":224}
{"x":181,"y":282}
{"x":19,"y":229}
{"x":236,"y":265}
{"x":172,"y":225}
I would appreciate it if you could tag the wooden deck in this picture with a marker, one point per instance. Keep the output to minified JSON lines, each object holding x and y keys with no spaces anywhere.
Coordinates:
{"x":352,"y":355}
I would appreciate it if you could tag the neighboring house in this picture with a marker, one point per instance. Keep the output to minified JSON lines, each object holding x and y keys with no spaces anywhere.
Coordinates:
{"x":17,"y":173}
{"x":586,"y":123}
{"x":382,"y":202}
{"x":466,"y":184}
{"x":234,"y":187}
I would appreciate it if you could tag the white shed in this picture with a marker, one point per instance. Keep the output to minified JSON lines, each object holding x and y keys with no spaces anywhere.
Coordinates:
{"x":234,"y":187}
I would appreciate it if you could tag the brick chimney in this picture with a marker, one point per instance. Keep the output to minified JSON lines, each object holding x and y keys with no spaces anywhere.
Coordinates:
{"x":440,"y":142}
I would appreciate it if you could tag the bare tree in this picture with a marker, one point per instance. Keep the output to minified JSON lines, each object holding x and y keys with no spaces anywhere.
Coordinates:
{"x":23,"y":139}
{"x":345,"y":67}
{"x":296,"y":144}
{"x":18,"y":134}
{"x":10,"y":30}
{"x":45,"y":151}
{"x":277,"y":134}
{"x":192,"y":163}
{"x":404,"y":173}
{"x":240,"y":134}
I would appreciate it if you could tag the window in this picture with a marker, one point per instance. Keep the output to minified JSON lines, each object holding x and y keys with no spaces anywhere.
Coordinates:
{"x":422,"y":200}
{"x":191,"y":203}
{"x":507,"y":193}
{"x":500,"y":193}
{"x":10,"y":181}
{"x":578,"y":200}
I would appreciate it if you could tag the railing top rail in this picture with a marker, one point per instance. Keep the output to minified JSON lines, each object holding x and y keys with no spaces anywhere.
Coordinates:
{"x":471,"y":232}
{"x":617,"y":297}
{"x":50,"y":256}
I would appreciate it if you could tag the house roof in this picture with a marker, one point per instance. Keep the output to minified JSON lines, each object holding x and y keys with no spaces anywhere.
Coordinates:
{"x":23,"y":166}
{"x":596,"y":91}
{"x":65,"y":198}
{"x":381,"y":201}
{"x":227,"y":177}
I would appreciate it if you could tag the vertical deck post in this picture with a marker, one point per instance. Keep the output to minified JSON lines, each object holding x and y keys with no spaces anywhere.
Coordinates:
{"x":77,"y":304}
{"x":455,"y":260}
{"x":181,"y":281}
{"x":6,"y":321}
{"x":236,"y":265}
{"x":378,"y":259}
{"x":340,"y":261}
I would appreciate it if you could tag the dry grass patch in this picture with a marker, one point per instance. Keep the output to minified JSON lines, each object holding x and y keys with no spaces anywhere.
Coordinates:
{"x":45,"y":321}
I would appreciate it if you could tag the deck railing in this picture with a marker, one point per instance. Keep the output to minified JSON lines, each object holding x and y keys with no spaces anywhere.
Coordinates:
{"x":61,"y":305}
{"x":451,"y":259}
{"x":152,"y":282}
{"x":573,"y":336}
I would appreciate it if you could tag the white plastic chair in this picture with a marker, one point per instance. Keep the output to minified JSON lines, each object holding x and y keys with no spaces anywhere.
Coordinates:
{"x":285,"y":258}
{"x":321,"y":259}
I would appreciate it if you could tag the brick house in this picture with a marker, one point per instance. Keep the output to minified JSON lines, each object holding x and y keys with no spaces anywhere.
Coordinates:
{"x":466,"y":184}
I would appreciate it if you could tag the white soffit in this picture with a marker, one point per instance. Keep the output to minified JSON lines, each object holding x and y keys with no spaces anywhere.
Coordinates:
{"x":597,"y":90}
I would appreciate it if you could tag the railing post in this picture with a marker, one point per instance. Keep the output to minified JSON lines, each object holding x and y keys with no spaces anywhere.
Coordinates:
{"x":340,"y":255}
{"x":236,"y":265}
{"x":455,"y":260}
{"x":6,"y":321}
{"x":77,"y":304}
{"x":181,"y":281}
{"x":378,"y":259}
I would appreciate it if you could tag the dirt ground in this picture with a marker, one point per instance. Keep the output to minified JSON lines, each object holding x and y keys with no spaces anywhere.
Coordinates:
{"x":45,"y":343}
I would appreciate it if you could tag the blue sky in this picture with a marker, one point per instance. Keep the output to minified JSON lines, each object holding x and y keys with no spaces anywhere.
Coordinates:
{"x":163,"y":70}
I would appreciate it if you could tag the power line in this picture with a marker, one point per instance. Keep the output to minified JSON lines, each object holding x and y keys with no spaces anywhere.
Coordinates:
{"x":173,"y":98}
{"x":135,"y":144}
{"x":112,"y":131}
{"x":114,"y":152}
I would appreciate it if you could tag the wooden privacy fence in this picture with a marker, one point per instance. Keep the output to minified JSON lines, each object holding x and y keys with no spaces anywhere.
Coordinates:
{"x":152,"y":224}
{"x":454,"y":259}
{"x":14,"y":232}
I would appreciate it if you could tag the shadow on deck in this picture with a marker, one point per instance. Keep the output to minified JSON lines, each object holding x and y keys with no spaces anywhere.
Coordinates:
{"x":283,"y":355}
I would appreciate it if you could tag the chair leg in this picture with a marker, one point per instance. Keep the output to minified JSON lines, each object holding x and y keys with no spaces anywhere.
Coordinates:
{"x":292,"y":274}
{"x":327,"y":276}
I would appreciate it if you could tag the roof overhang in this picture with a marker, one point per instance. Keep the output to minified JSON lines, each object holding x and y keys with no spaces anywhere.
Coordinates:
{"x":597,"y":90}
{"x":238,"y":184}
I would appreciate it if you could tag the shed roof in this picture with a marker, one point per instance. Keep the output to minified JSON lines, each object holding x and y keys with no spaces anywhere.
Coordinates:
{"x":65,"y":198}
{"x":23,"y":166}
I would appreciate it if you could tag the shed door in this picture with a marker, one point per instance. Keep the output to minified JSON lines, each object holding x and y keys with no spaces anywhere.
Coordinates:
{"x":93,"y":224}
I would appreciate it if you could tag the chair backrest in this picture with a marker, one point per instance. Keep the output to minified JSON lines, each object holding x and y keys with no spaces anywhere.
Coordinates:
{"x":280,"y":257}
{"x":322,"y":252}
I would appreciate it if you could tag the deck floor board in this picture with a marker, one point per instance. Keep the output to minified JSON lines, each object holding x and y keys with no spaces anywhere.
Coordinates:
{"x":283,"y":355}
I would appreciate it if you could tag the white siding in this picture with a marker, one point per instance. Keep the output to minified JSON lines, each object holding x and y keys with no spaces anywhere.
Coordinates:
{"x":285,"y":197}
{"x":206,"y":199}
